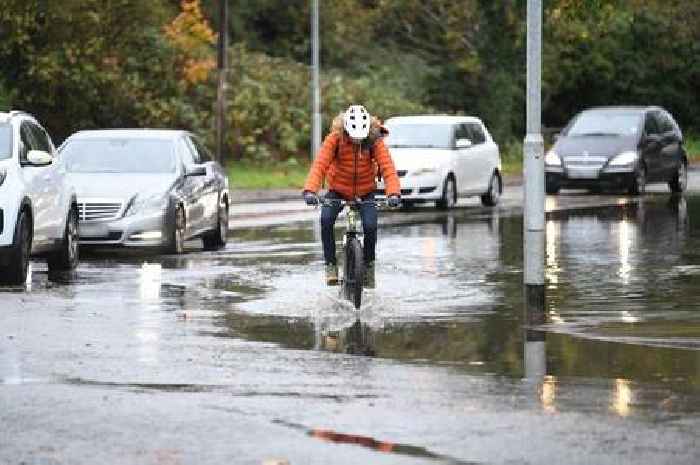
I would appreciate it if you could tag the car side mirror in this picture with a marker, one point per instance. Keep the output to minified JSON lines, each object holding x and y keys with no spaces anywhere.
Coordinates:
{"x":652,"y":139}
{"x":196,"y":170}
{"x":39,"y":158}
{"x":463,"y":143}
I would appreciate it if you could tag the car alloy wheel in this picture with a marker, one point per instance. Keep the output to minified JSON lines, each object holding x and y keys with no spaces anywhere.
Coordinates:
{"x":679,"y":182}
{"x":490,"y":198}
{"x":223,"y":223}
{"x":639,"y":181}
{"x":179,"y":230}
{"x":449,"y":195}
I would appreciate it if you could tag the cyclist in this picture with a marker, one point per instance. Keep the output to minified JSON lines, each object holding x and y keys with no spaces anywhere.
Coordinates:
{"x":350,"y":158}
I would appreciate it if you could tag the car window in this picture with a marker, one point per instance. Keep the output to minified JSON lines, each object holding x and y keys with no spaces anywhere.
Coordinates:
{"x":665,"y":122}
{"x":462,"y":132}
{"x":651,"y":125}
{"x":203,"y":154}
{"x":119,"y":155}
{"x":41,"y":138}
{"x":27,"y":141}
{"x":419,"y":135}
{"x":184,"y":152}
{"x":478,"y":136}
{"x":5,"y":141}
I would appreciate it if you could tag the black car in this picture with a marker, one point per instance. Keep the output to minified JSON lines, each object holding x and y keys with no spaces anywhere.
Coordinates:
{"x":618,"y":148}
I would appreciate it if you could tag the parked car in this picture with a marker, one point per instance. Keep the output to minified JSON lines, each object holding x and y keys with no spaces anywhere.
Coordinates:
{"x":620,"y":148}
{"x":441,"y":158}
{"x":38,"y":209}
{"x":147,"y":188}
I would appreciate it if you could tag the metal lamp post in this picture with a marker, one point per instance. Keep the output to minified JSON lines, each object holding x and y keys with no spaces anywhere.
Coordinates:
{"x":533,"y":156}
{"x":316,"y":122}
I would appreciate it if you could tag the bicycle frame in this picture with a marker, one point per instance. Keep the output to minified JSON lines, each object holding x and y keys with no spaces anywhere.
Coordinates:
{"x":353,"y":270}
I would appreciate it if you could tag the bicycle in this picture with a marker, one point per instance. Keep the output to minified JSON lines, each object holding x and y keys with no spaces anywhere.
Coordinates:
{"x":351,"y":284}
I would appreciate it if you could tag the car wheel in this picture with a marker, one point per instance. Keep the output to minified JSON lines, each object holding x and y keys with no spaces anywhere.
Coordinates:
{"x":216,"y":239}
{"x":491,"y":197}
{"x":551,"y":188}
{"x":67,"y":257}
{"x":16,"y":272}
{"x":176,"y":232}
{"x":449,"y":195}
{"x":679,"y":182}
{"x":639,"y":181}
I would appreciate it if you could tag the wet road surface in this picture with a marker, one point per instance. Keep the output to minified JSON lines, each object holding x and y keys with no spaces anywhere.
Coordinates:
{"x":243,"y":356}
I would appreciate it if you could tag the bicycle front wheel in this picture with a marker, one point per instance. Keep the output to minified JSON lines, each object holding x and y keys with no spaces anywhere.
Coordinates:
{"x":353,"y":271}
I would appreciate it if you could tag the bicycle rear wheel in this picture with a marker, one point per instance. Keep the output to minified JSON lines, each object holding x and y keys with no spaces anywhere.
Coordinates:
{"x":352,"y":281}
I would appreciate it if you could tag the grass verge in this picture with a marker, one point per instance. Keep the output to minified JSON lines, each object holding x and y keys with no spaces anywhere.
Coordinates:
{"x":291,"y":175}
{"x":284,"y":175}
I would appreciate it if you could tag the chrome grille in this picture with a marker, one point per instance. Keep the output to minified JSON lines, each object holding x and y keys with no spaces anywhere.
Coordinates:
{"x":99,"y":210}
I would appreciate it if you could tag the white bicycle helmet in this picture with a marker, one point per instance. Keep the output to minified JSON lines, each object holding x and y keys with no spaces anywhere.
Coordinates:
{"x":356,"y":121}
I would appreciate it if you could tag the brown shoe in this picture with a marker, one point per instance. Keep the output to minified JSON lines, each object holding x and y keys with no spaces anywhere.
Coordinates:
{"x":331,"y":275}
{"x":369,"y":276}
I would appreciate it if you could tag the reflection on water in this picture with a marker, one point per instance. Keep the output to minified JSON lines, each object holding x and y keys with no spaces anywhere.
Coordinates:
{"x":451,"y":292}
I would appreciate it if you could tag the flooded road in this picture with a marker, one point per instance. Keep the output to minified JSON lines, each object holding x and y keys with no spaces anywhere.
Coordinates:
{"x":243,"y":355}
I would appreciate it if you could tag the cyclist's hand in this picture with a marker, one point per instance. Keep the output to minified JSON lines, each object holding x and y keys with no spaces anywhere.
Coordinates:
{"x":310,"y":198}
{"x":394,"y":201}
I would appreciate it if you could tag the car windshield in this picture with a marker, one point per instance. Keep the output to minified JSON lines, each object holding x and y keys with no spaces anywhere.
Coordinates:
{"x":417,"y":135}
{"x":605,"y":123}
{"x":119,"y":155}
{"x":5,"y":141}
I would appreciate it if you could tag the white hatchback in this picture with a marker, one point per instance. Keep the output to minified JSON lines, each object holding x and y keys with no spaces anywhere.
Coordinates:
{"x":442,"y":158}
{"x":38,"y":210}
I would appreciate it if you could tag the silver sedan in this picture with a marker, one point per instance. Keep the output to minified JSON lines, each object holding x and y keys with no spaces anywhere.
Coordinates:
{"x":146,"y":188}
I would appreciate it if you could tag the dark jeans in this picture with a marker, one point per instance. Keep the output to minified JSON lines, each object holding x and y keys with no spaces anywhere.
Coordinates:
{"x":329,"y":213}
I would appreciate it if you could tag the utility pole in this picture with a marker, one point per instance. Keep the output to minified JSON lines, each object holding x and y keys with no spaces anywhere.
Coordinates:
{"x":222,"y":63}
{"x":315,"y":64}
{"x":533,"y":155}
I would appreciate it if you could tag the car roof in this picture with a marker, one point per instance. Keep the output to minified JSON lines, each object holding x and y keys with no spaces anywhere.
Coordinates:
{"x":433,"y":119}
{"x":129,"y":134}
{"x":624,"y":109}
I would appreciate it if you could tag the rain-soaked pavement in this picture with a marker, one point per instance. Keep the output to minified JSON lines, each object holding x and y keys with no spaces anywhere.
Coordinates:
{"x":244,"y":356}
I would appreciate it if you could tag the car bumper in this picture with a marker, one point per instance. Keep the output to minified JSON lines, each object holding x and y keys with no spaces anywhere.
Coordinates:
{"x":417,"y":188}
{"x":608,"y":177}
{"x":131,"y":231}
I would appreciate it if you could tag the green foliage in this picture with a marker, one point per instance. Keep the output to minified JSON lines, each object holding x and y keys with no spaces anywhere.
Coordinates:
{"x":270,"y":113}
{"x":91,"y":63}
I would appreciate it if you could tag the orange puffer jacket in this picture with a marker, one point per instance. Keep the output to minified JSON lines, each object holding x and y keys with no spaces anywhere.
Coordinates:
{"x":352,"y":172}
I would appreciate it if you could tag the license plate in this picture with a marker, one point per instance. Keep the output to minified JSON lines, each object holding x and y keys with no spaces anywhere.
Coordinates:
{"x":93,"y":230}
{"x":583,"y":174}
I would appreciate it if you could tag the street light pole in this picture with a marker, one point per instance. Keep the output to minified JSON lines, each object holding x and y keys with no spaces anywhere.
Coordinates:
{"x":533,"y":155}
{"x":316,"y":122}
{"x":221,"y":88}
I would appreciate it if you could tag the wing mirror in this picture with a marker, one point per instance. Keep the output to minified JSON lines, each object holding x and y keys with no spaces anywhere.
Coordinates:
{"x":463,"y":143}
{"x":652,"y":139}
{"x":39,"y":158}
{"x":196,"y":170}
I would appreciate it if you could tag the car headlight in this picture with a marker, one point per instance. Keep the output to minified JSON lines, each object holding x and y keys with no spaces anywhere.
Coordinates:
{"x":427,"y":170}
{"x":552,"y":158}
{"x":624,"y":158}
{"x":3,"y":175}
{"x":140,"y":203}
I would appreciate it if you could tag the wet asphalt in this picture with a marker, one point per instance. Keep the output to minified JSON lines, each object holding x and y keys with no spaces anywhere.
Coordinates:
{"x":244,"y":356}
